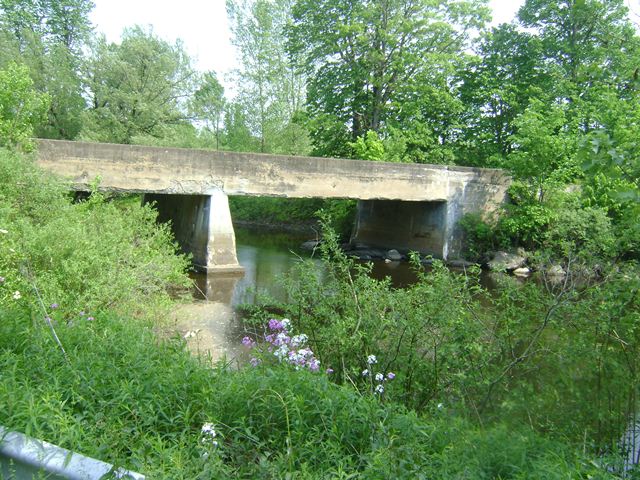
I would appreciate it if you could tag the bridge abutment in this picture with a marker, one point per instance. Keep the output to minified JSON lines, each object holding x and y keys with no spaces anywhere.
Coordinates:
{"x":202,"y":227}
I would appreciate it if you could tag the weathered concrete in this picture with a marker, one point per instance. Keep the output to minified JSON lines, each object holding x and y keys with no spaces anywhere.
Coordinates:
{"x":202,"y":226}
{"x":440,"y":195}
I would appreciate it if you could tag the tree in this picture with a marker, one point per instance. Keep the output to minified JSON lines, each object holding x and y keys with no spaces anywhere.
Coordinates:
{"x":21,"y":106}
{"x":270,"y":91}
{"x":357,"y":55}
{"x":48,"y":37}
{"x":136,"y":87}
{"x":208,"y":103}
{"x":496,"y":88}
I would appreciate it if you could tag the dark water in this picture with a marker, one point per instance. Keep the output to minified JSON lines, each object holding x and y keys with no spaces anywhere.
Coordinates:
{"x":211,"y":321}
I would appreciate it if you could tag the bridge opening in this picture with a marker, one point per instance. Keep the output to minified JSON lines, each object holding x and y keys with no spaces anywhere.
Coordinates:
{"x":407,"y":226}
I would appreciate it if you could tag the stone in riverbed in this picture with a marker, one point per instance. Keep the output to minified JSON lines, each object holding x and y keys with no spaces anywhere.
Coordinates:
{"x":506,"y":261}
{"x":394,"y":255}
{"x":556,"y":271}
{"x":522,"y":272}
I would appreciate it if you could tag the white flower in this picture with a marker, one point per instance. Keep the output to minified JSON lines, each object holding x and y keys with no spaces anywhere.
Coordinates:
{"x":208,"y":430}
{"x":379,"y":389}
{"x":286,"y":323}
{"x":440,"y":405}
{"x":299,"y":340}
{"x":365,"y":372}
{"x":2,"y":230}
{"x":16,"y":295}
{"x":379,"y":377}
{"x":371,"y":359}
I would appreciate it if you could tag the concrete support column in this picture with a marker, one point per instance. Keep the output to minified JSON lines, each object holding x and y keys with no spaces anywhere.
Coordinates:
{"x":202,"y":226}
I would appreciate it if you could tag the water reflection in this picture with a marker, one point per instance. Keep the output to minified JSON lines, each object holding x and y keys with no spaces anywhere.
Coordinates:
{"x":211,"y":322}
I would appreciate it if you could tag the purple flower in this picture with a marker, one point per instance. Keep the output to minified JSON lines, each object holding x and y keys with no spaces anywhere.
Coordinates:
{"x":54,"y":306}
{"x":329,"y":371}
{"x":82,"y":314}
{"x":90,"y":319}
{"x":254,"y":362}
{"x":314,"y":364}
{"x":391,"y":376}
{"x":247,"y":342}
{"x":275,"y":324}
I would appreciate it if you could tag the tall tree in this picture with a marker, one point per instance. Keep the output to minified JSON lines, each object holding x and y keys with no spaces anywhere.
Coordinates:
{"x":137,"y":87}
{"x":48,"y":36}
{"x":208,"y":104}
{"x":270,"y":91}
{"x":357,"y":55}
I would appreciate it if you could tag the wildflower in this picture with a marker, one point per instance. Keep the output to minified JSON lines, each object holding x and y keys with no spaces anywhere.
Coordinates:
{"x":365,"y":372}
{"x":275,"y":324}
{"x":2,"y":279}
{"x":17,"y":295}
{"x":247,"y":342}
{"x":379,"y":389}
{"x":281,"y":339}
{"x":391,"y":376}
{"x":254,"y":362}
{"x":91,"y":319}
{"x":82,"y":314}
{"x":2,"y":230}
{"x":379,"y":377}
{"x":208,"y":430}
{"x":329,"y":371}
{"x":209,"y":434}
{"x":371,"y":359}
{"x":54,"y":306}
{"x":299,"y":340}
{"x":440,"y":406}
{"x":314,"y":364}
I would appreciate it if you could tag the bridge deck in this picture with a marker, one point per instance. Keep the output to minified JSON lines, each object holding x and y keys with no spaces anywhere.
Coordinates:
{"x":132,"y":168}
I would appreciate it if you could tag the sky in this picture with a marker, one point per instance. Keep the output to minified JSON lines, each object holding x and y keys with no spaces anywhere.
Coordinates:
{"x":202,"y":25}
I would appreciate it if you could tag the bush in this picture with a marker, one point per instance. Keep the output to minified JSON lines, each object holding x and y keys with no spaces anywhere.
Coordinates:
{"x":84,"y":257}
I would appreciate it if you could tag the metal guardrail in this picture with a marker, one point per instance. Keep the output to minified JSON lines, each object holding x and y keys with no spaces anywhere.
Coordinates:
{"x":26,"y":458}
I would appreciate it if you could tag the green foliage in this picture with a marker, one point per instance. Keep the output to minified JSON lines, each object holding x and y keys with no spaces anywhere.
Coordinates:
{"x":540,"y":354}
{"x":270,"y":89}
{"x":137,"y":87}
{"x":368,"y":147}
{"x":21,"y":107}
{"x":88,"y":256}
{"x":360,"y":56}
{"x":479,"y":236}
{"x":137,"y":402}
{"x":293,"y":212}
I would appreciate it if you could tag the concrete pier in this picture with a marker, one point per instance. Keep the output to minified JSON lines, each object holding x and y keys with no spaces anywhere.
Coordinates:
{"x":201,"y":225}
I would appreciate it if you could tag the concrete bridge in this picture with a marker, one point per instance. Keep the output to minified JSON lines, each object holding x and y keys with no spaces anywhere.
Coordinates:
{"x":404,"y":206}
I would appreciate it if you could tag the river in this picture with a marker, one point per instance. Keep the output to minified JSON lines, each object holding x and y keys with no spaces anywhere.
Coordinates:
{"x":210,"y":323}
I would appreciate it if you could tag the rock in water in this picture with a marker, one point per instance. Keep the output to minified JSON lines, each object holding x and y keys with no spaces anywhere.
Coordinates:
{"x":506,"y":261}
{"x":394,"y":255}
